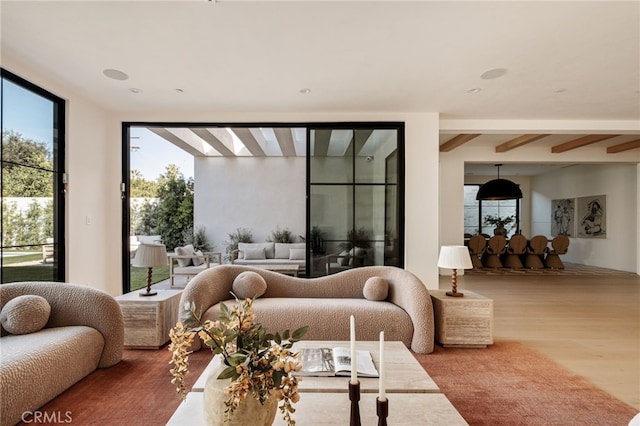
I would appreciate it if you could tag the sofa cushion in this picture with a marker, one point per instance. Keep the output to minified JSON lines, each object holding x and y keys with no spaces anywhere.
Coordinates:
{"x":376,"y":288}
{"x":255,"y":254}
{"x":343,"y":260}
{"x":297,"y":254}
{"x":249,"y":284}
{"x":269,"y":249}
{"x":198,"y":259}
{"x":282,"y":250}
{"x":185,"y":251}
{"x":25,"y":314}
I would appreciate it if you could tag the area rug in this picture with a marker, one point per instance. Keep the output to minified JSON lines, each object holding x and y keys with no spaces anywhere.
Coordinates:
{"x":504,"y":384}
{"x":509,"y":384}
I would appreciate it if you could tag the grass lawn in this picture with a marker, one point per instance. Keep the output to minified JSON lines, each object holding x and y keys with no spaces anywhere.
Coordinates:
{"x":139,"y":276}
{"x":34,"y":272}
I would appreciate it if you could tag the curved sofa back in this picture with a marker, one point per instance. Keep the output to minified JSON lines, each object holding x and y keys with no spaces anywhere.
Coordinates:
{"x":405,"y":290}
{"x":75,"y":304}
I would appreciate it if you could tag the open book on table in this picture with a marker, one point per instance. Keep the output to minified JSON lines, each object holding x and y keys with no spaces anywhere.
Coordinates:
{"x":335,"y":362}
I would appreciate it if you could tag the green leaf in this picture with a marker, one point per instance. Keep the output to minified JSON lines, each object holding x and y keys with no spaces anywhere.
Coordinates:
{"x":227,"y":373}
{"x":285,"y":335}
{"x":277,"y":339}
{"x":236,"y":359}
{"x":299,"y":333}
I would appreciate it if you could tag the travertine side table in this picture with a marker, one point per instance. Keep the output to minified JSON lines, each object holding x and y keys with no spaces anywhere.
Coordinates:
{"x":463,"y":321}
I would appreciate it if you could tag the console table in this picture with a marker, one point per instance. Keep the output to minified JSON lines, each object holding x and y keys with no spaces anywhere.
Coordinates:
{"x":462,"y":321}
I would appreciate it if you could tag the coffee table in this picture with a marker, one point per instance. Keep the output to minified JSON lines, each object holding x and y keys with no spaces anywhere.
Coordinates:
{"x":403,"y":372}
{"x":414,"y":398}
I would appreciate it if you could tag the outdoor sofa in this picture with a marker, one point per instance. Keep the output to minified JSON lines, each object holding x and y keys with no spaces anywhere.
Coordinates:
{"x":404,"y":310}
{"x":53,"y":335}
{"x":270,"y":254}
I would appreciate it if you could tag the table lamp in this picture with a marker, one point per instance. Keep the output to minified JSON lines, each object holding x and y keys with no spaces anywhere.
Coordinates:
{"x":148,"y":256}
{"x":454,"y":257}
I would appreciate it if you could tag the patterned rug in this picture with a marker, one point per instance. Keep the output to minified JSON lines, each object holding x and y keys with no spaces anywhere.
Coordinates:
{"x":569,"y":269}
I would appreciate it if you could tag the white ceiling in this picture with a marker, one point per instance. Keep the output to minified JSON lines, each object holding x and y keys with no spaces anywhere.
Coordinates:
{"x":563,"y":60}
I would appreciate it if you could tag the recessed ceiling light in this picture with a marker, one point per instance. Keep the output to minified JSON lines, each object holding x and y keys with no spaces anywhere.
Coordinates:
{"x":559,"y":90}
{"x":305,"y":91}
{"x":179,"y":90}
{"x":494,"y":73}
{"x":115,"y":74}
{"x":474,"y":90}
{"x":135,"y":90}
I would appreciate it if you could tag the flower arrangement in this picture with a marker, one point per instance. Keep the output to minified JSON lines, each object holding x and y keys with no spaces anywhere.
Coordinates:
{"x":499,"y":222}
{"x":257,"y":362}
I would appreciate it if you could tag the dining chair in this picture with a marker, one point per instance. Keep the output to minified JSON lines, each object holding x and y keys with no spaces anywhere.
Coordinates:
{"x":536,"y":249}
{"x":559,"y":246}
{"x":516,"y":248}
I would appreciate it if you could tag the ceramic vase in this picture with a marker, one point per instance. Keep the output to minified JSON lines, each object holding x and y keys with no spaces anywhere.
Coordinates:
{"x":249,"y":412}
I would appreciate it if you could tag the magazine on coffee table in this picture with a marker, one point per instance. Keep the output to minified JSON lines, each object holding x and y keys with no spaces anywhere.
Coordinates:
{"x":335,"y":362}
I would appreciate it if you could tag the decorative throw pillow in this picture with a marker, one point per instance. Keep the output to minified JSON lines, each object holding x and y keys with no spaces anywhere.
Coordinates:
{"x":343,"y":260}
{"x":25,"y":314}
{"x":254,"y":254}
{"x":376,"y":288}
{"x":297,"y":254}
{"x":185,"y":251}
{"x":199,"y":259}
{"x":249,"y":284}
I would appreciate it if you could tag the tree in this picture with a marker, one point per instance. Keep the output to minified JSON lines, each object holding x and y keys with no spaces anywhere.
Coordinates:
{"x":175,"y":206}
{"x":141,"y":187}
{"x":27,"y":167}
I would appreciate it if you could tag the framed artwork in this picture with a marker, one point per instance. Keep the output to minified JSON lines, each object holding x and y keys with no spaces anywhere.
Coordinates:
{"x":563,"y":213}
{"x":592,"y":216}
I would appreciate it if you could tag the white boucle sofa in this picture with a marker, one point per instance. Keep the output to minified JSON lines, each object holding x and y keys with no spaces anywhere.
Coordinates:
{"x":85,"y":331}
{"x":270,"y":254}
{"x":325,"y":303}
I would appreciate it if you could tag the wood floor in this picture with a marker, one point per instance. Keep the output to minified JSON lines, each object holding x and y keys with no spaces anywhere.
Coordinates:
{"x":590,"y":324}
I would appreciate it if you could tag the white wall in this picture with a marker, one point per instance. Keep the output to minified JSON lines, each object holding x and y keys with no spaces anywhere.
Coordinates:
{"x":619,"y":182}
{"x":94,"y":170}
{"x":258,"y":194}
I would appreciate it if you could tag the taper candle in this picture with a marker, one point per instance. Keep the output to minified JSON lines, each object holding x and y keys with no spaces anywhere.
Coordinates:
{"x":382,"y":391}
{"x":354,"y":363}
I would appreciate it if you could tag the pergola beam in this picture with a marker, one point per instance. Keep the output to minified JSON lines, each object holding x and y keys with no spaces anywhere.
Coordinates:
{"x":285,"y":141}
{"x":248,"y":141}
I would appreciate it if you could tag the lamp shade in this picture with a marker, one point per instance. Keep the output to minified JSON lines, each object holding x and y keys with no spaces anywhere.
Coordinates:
{"x":454,"y":257}
{"x":499,"y":189}
{"x":150,"y":255}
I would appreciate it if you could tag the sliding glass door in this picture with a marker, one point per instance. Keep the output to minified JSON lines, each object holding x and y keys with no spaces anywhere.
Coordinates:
{"x":354,"y":204}
{"x":32,"y":182}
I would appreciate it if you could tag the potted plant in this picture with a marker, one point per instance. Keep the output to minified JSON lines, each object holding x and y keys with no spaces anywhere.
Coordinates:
{"x":256,"y":369}
{"x":499,"y":223}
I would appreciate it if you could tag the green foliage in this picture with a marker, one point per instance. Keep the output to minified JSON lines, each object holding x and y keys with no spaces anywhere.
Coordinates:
{"x":357,"y":238}
{"x":140,"y":187}
{"x":172,"y":214}
{"x":29,"y":227}
{"x":281,"y":236}
{"x":36,"y":179}
{"x":240,"y":235}
{"x":497,"y":221}
{"x":198,"y":238}
{"x":317,"y":241}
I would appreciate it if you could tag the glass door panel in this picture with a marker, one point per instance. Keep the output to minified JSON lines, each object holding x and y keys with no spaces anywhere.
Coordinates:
{"x":32,"y":188}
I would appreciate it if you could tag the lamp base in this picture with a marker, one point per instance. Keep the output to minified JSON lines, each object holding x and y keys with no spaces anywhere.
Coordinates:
{"x":149,"y":293}
{"x":454,"y":294}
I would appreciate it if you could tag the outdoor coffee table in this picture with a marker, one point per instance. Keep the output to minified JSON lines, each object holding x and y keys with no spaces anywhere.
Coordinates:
{"x":282,"y":269}
{"x":403,"y":372}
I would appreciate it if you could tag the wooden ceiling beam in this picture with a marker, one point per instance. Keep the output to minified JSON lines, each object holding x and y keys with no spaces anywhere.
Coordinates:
{"x":623,"y":147}
{"x":519,"y":141}
{"x":580,"y":142}
{"x":456,"y":141}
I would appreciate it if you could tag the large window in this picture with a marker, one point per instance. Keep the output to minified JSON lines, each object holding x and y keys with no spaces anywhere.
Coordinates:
{"x":476,"y":213}
{"x":32,"y":182}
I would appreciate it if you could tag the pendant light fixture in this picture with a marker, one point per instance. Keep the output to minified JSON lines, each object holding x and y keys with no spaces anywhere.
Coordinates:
{"x":499,"y":189}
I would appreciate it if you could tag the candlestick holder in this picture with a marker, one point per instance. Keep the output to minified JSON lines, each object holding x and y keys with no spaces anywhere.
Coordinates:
{"x":382,"y":409}
{"x":354,"y":397}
